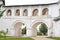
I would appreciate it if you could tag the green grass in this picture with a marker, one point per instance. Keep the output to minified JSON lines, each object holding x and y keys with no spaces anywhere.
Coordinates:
{"x":55,"y":38}
{"x":14,"y":38}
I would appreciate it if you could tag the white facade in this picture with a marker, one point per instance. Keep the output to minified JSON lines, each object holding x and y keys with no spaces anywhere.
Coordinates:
{"x":9,"y":21}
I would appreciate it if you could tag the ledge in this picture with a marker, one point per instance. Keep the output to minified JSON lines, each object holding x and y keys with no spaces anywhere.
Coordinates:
{"x":57,"y":18}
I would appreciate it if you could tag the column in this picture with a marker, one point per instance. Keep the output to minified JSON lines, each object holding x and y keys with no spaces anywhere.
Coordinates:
{"x":29,"y":11}
{"x":39,"y":11}
{"x":13,"y":11}
{"x":21,"y":11}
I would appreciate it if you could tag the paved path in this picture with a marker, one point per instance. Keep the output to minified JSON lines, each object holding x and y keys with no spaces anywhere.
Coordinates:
{"x":41,"y":38}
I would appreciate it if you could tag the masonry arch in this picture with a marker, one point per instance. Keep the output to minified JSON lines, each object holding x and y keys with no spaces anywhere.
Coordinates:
{"x":34,"y":29}
{"x":25,"y":12}
{"x":45,"y":11}
{"x":17,"y":12}
{"x":9,"y":12}
{"x":18,"y":26}
{"x":35,"y":12}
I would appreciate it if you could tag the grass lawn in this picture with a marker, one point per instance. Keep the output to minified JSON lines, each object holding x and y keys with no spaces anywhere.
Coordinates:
{"x":55,"y":38}
{"x":13,"y":38}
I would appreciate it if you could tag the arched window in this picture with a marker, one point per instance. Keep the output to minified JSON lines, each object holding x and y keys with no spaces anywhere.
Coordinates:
{"x":9,"y":12}
{"x":45,"y":11}
{"x":25,"y":12}
{"x":35,"y":11}
{"x":17,"y":12}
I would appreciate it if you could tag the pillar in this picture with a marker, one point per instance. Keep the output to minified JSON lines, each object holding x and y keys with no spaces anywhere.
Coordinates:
{"x":50,"y":29}
{"x":34,"y":31}
{"x":21,"y":12}
{"x":29,"y":11}
{"x":13,"y":12}
{"x":40,"y":11}
{"x":29,"y":29}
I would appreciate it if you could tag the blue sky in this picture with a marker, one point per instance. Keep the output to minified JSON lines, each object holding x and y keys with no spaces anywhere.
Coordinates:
{"x":28,"y":2}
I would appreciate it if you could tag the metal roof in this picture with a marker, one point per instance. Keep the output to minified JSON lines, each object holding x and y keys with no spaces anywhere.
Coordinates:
{"x":29,"y":2}
{"x":5,"y":2}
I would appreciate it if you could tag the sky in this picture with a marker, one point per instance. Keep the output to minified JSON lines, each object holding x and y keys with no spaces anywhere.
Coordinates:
{"x":28,"y":2}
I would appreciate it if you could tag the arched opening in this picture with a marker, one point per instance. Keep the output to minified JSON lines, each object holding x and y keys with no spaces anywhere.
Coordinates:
{"x":39,"y":29}
{"x":35,"y":12}
{"x":25,"y":12}
{"x":45,"y":11}
{"x":17,"y":12}
{"x":20,"y":29}
{"x":9,"y":12}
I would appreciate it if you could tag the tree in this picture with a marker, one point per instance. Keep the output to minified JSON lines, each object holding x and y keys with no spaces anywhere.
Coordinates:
{"x":3,"y":33}
{"x":43,"y":29}
{"x":1,"y":12}
{"x":24,"y":30}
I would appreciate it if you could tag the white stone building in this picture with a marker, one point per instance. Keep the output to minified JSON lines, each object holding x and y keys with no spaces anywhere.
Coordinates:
{"x":30,"y":15}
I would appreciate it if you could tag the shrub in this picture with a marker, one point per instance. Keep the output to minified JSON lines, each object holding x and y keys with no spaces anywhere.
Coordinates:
{"x":43,"y":29}
{"x":24,"y":30}
{"x":3,"y":33}
{"x":39,"y":33}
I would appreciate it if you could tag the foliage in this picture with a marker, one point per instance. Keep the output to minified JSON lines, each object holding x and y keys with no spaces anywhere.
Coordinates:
{"x":43,"y":29}
{"x":3,"y":33}
{"x":39,"y":33}
{"x":24,"y":30}
{"x":1,"y":12}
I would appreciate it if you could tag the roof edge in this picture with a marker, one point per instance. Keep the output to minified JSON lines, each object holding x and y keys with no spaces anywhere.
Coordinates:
{"x":31,"y":5}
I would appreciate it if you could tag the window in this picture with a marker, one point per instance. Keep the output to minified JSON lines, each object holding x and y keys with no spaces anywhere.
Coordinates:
{"x":35,"y":11}
{"x":45,"y":11}
{"x":17,"y":12}
{"x":25,"y":12}
{"x":9,"y":12}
